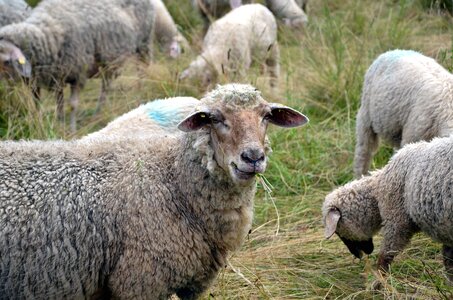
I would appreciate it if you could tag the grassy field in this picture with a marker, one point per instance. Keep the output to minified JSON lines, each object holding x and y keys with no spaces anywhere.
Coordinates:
{"x":322,"y":69}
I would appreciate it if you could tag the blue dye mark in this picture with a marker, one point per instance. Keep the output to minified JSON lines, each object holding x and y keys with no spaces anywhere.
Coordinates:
{"x":397,"y":54}
{"x":163,"y":112}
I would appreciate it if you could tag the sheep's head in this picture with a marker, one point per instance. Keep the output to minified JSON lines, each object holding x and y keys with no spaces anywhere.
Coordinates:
{"x":13,"y":61}
{"x":350,"y":212}
{"x":202,"y":70}
{"x":236,"y":118}
{"x":176,"y":46}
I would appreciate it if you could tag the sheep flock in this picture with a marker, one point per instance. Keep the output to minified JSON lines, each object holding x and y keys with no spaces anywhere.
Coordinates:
{"x":151,"y":149}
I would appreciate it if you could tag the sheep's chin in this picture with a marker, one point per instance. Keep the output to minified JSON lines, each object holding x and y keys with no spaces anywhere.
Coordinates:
{"x":241,"y":177}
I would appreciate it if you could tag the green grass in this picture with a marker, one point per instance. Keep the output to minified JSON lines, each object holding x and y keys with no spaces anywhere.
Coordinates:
{"x":322,"y":69}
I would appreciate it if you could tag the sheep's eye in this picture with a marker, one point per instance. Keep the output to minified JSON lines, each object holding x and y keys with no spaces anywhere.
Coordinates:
{"x":217,"y":121}
{"x":266,"y":117}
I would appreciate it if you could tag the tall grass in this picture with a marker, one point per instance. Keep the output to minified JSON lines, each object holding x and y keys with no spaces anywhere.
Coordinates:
{"x":322,"y":69}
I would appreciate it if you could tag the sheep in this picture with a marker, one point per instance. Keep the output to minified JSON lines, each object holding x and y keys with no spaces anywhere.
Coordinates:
{"x":406,"y":97}
{"x":13,"y":11}
{"x":166,"y":32}
{"x":157,"y":117}
{"x":245,"y":35}
{"x":214,"y":9}
{"x":68,"y":41}
{"x":135,"y":217}
{"x":290,"y":12}
{"x":411,"y":193}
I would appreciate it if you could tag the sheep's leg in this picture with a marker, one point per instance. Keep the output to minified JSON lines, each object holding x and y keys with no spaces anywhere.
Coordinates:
{"x":366,"y":145}
{"x":273,"y":65}
{"x":447,"y":253}
{"x":36,"y":92}
{"x":105,"y":88}
{"x":195,"y":289}
{"x":60,"y":102}
{"x":74,"y":102}
{"x":397,"y":234}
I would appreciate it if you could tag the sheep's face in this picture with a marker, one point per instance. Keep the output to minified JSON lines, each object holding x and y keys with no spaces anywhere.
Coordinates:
{"x":13,"y":61}
{"x":202,"y":71}
{"x":238,"y":135}
{"x":174,"y":49}
{"x":354,"y":219}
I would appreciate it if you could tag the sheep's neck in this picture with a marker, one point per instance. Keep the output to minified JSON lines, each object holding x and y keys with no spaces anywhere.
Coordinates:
{"x":224,"y":209}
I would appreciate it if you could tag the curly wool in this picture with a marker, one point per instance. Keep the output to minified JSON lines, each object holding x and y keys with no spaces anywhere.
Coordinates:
{"x":406,"y":97}
{"x":67,"y":41}
{"x":155,"y":118}
{"x":13,"y":11}
{"x":411,"y":193}
{"x":118,"y":216}
{"x":245,"y":35}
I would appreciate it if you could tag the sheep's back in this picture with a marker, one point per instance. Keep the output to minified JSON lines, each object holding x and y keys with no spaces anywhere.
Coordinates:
{"x":12,"y":11}
{"x":402,"y":91}
{"x":252,"y":25}
{"x":56,"y":238}
{"x":428,"y":186}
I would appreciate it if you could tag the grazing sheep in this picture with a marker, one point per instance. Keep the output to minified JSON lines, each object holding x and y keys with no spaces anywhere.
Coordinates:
{"x":68,"y":41}
{"x":245,"y":35}
{"x":158,"y":117}
{"x":290,"y":12}
{"x":214,"y":9}
{"x":406,"y":98}
{"x":13,"y":11}
{"x":412,"y":193}
{"x":135,"y":217}
{"x":166,"y":32}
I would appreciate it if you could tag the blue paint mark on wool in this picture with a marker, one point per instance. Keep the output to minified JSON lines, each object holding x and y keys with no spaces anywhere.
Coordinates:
{"x":163,"y":112}
{"x":397,"y":54}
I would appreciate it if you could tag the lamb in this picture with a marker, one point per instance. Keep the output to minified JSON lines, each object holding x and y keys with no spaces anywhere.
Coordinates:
{"x":13,"y":11}
{"x":406,"y":98}
{"x":166,"y":32}
{"x":245,"y":35}
{"x":411,"y":193}
{"x":213,"y":9}
{"x":158,"y":117}
{"x":135,"y":217}
{"x":69,"y":41}
{"x":290,"y":12}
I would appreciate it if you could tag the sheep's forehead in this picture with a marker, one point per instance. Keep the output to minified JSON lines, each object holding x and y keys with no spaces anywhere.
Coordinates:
{"x":234,"y":97}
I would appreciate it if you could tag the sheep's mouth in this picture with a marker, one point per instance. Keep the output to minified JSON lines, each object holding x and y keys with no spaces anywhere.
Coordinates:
{"x":243,"y":175}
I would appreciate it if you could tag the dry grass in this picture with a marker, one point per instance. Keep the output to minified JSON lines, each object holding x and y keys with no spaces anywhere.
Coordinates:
{"x":286,"y":256}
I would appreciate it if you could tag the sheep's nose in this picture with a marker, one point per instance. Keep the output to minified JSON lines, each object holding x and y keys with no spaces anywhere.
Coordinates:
{"x":253,"y":156}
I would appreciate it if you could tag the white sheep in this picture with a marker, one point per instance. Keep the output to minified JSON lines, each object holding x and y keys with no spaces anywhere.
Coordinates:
{"x":13,"y":11}
{"x":68,"y":41}
{"x":245,"y":35}
{"x":290,"y":12}
{"x":166,"y":32}
{"x":406,"y":97}
{"x":135,"y":217}
{"x":412,"y":193}
{"x":157,"y":117}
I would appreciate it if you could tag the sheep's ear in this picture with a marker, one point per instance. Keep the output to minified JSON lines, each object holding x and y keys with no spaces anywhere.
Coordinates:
{"x":11,"y":53}
{"x":332,"y":218}
{"x":284,"y":116}
{"x":195,"y":121}
{"x":22,"y":66}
